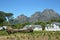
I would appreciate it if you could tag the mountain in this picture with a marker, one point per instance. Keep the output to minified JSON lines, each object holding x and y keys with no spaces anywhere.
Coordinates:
{"x":46,"y":15}
{"x":35,"y":17}
{"x":21,"y":19}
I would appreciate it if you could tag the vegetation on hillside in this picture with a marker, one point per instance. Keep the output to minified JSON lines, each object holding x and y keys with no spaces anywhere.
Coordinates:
{"x":4,"y":17}
{"x":7,"y":19}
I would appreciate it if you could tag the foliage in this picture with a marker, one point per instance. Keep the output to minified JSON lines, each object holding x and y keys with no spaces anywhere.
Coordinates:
{"x":55,"y":20}
{"x":18,"y":26}
{"x":49,"y":22}
{"x":2,"y":33}
{"x":4,"y":16}
{"x":37,"y":23}
{"x":43,"y":24}
{"x":8,"y":15}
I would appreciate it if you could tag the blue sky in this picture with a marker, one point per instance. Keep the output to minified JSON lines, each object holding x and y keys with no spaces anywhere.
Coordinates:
{"x":28,"y":7}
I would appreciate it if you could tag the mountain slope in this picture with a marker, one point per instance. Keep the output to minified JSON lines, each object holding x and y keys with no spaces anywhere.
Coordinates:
{"x":21,"y":19}
{"x":46,"y":15}
{"x":35,"y":17}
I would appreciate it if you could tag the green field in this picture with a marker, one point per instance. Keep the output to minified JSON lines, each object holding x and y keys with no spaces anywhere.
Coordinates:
{"x":36,"y":35}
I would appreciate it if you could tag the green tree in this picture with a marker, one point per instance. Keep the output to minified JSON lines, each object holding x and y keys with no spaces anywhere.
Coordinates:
{"x":8,"y":16}
{"x":43,"y":24}
{"x":4,"y":16}
{"x":55,"y":20}
{"x":37,"y":23}
{"x":49,"y":22}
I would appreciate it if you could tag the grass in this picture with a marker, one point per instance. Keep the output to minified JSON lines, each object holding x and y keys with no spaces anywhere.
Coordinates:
{"x":36,"y":35}
{"x":3,"y":33}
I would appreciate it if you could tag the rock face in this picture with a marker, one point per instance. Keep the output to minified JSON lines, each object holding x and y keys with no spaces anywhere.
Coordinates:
{"x":35,"y":17}
{"x":21,"y":19}
{"x":46,"y":15}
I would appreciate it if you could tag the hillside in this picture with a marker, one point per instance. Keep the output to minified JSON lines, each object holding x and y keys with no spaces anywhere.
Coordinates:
{"x":45,"y":15}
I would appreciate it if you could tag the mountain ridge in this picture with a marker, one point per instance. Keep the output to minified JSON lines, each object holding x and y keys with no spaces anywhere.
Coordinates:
{"x":45,"y":15}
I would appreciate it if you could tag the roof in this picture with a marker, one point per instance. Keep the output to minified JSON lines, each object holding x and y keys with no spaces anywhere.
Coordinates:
{"x":56,"y":23}
{"x":33,"y":26}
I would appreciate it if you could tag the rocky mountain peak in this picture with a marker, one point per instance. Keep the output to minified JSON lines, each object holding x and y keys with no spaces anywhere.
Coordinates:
{"x":46,"y":15}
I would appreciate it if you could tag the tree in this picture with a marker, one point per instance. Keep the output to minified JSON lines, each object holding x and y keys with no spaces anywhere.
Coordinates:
{"x":8,"y":15}
{"x":2,"y":19}
{"x":43,"y":24}
{"x":37,"y":23}
{"x":55,"y":20}
{"x":5,"y":23}
{"x":49,"y":22}
{"x":3,"y":16}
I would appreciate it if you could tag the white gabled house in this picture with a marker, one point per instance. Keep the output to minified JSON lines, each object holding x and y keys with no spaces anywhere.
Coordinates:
{"x":3,"y":27}
{"x":55,"y":26}
{"x":35,"y":27}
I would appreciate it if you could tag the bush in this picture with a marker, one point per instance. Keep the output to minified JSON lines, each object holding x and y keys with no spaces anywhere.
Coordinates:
{"x":3,"y":33}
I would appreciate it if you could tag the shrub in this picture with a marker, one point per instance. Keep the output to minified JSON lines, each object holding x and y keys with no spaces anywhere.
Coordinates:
{"x":3,"y":33}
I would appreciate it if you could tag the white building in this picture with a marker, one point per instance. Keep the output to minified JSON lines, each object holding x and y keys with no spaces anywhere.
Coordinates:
{"x":55,"y":26}
{"x":3,"y":27}
{"x":37,"y":27}
{"x":34,"y":27}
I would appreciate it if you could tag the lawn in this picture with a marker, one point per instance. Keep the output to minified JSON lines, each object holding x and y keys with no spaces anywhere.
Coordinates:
{"x":36,"y":35}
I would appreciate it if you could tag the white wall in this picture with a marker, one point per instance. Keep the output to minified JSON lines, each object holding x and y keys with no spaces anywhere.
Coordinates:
{"x":54,"y":28}
{"x":37,"y":29}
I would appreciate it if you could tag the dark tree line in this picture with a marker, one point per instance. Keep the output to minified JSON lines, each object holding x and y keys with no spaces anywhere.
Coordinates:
{"x":4,"y":17}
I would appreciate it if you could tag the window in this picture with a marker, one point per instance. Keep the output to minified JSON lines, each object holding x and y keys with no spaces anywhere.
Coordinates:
{"x":59,"y":26}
